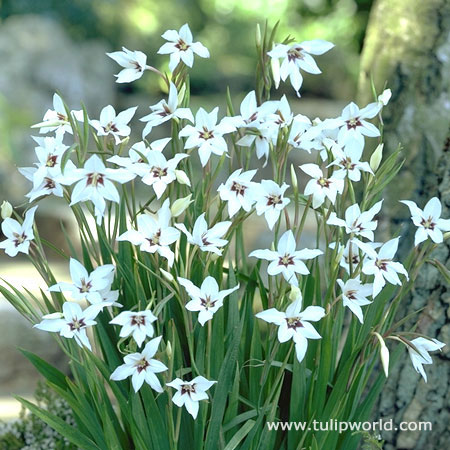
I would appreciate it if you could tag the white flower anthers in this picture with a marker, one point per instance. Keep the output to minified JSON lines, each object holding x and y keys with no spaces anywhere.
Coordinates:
{"x":164,"y":111}
{"x":270,"y":200}
{"x":354,"y":295}
{"x":154,"y":235}
{"x":207,"y":299}
{"x":207,"y":134}
{"x":18,"y":236}
{"x":381,"y":265}
{"x":189,"y":393}
{"x":95,"y":183}
{"x":356,"y":222}
{"x":321,"y":187}
{"x":85,"y":285}
{"x":294,"y":324}
{"x":239,"y":191}
{"x":181,"y":47}
{"x":421,"y":356}
{"x":208,"y":240}
{"x":428,"y":222}
{"x":138,"y":324}
{"x":56,"y":119}
{"x":71,"y":323}
{"x":287,"y":260}
{"x":109,"y":123}
{"x":298,"y":56}
{"x":141,"y":367}
{"x":134,"y":64}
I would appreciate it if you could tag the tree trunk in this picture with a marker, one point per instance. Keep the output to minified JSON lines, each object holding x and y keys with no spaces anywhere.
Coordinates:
{"x":407,"y":45}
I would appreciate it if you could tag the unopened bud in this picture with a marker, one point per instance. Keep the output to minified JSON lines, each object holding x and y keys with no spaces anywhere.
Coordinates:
{"x":385,"y":96}
{"x":295,"y":293}
{"x":167,"y":275}
{"x":179,"y":206}
{"x":6,"y":210}
{"x":384,"y":354}
{"x":258,"y":36}
{"x":294,"y":178}
{"x":182,"y":178}
{"x":376,"y":158}
{"x":169,"y":349}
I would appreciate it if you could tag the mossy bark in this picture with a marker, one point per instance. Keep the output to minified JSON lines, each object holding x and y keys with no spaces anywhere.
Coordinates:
{"x":407,"y":46}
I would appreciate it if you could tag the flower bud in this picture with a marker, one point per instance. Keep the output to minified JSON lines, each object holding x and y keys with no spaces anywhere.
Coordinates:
{"x":179,"y":206}
{"x":294,"y":178}
{"x":385,"y":96}
{"x":182,"y":178}
{"x":295,"y":293}
{"x":6,"y":210}
{"x":376,"y":158}
{"x":258,"y":36}
{"x":169,"y":349}
{"x":167,"y":275}
{"x":384,"y":354}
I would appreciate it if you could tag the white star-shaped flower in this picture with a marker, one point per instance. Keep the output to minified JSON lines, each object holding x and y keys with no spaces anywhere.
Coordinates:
{"x":298,"y":57}
{"x":357,"y":222}
{"x":207,"y":299}
{"x":208,"y":240}
{"x":239,"y":191}
{"x":270,"y":200}
{"x":429,"y":222}
{"x":181,"y":47}
{"x":164,"y":111}
{"x":287,"y":260}
{"x":134,"y":64}
{"x":141,"y":367}
{"x":421,"y":357}
{"x":109,"y":123}
{"x":295,"y":324}
{"x":138,"y":324}
{"x":354,"y":295}
{"x":154,"y":235}
{"x":189,"y":393}
{"x":321,"y":187}
{"x":71,"y":323}
{"x":18,"y":236}
{"x":207,"y":134}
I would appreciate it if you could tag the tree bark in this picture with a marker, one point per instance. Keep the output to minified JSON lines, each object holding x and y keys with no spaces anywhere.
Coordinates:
{"x":407,"y":45}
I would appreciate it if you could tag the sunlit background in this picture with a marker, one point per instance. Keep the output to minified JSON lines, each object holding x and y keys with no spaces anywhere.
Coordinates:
{"x":60,"y":45}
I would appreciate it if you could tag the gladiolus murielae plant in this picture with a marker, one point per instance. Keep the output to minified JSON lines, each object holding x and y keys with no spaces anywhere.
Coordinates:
{"x":181,"y":331}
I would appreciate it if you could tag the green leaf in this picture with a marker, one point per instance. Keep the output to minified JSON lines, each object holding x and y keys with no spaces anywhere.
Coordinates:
{"x":237,"y":438}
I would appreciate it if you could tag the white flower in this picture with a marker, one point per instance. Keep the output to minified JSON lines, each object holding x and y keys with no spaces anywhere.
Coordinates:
{"x":429,"y":222}
{"x":384,"y":97}
{"x":267,"y":134}
{"x":138,"y":153}
{"x":354,"y":295}
{"x":209,"y":240}
{"x":189,"y":393}
{"x":154,"y":235}
{"x":422,"y":357}
{"x":298,"y":56}
{"x":133,"y":63}
{"x":298,"y":137}
{"x":283,"y":116}
{"x":109,"y":123}
{"x":382,"y":266}
{"x":270,"y":200}
{"x":163,"y":111}
{"x":354,"y":124}
{"x":181,"y":47}
{"x":207,"y":299}
{"x":95,"y":183}
{"x":207,"y":134}
{"x":71,"y":323}
{"x":348,"y":161}
{"x":253,"y":115}
{"x":351,"y":251}
{"x":158,"y":172}
{"x":356,"y":222}
{"x":238,"y":191}
{"x":138,"y":324}
{"x":294,"y":324}
{"x":86,"y":285}
{"x":142,"y":367}
{"x":287,"y":260}
{"x":18,"y":236}
{"x":56,"y":119}
{"x":321,"y":187}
